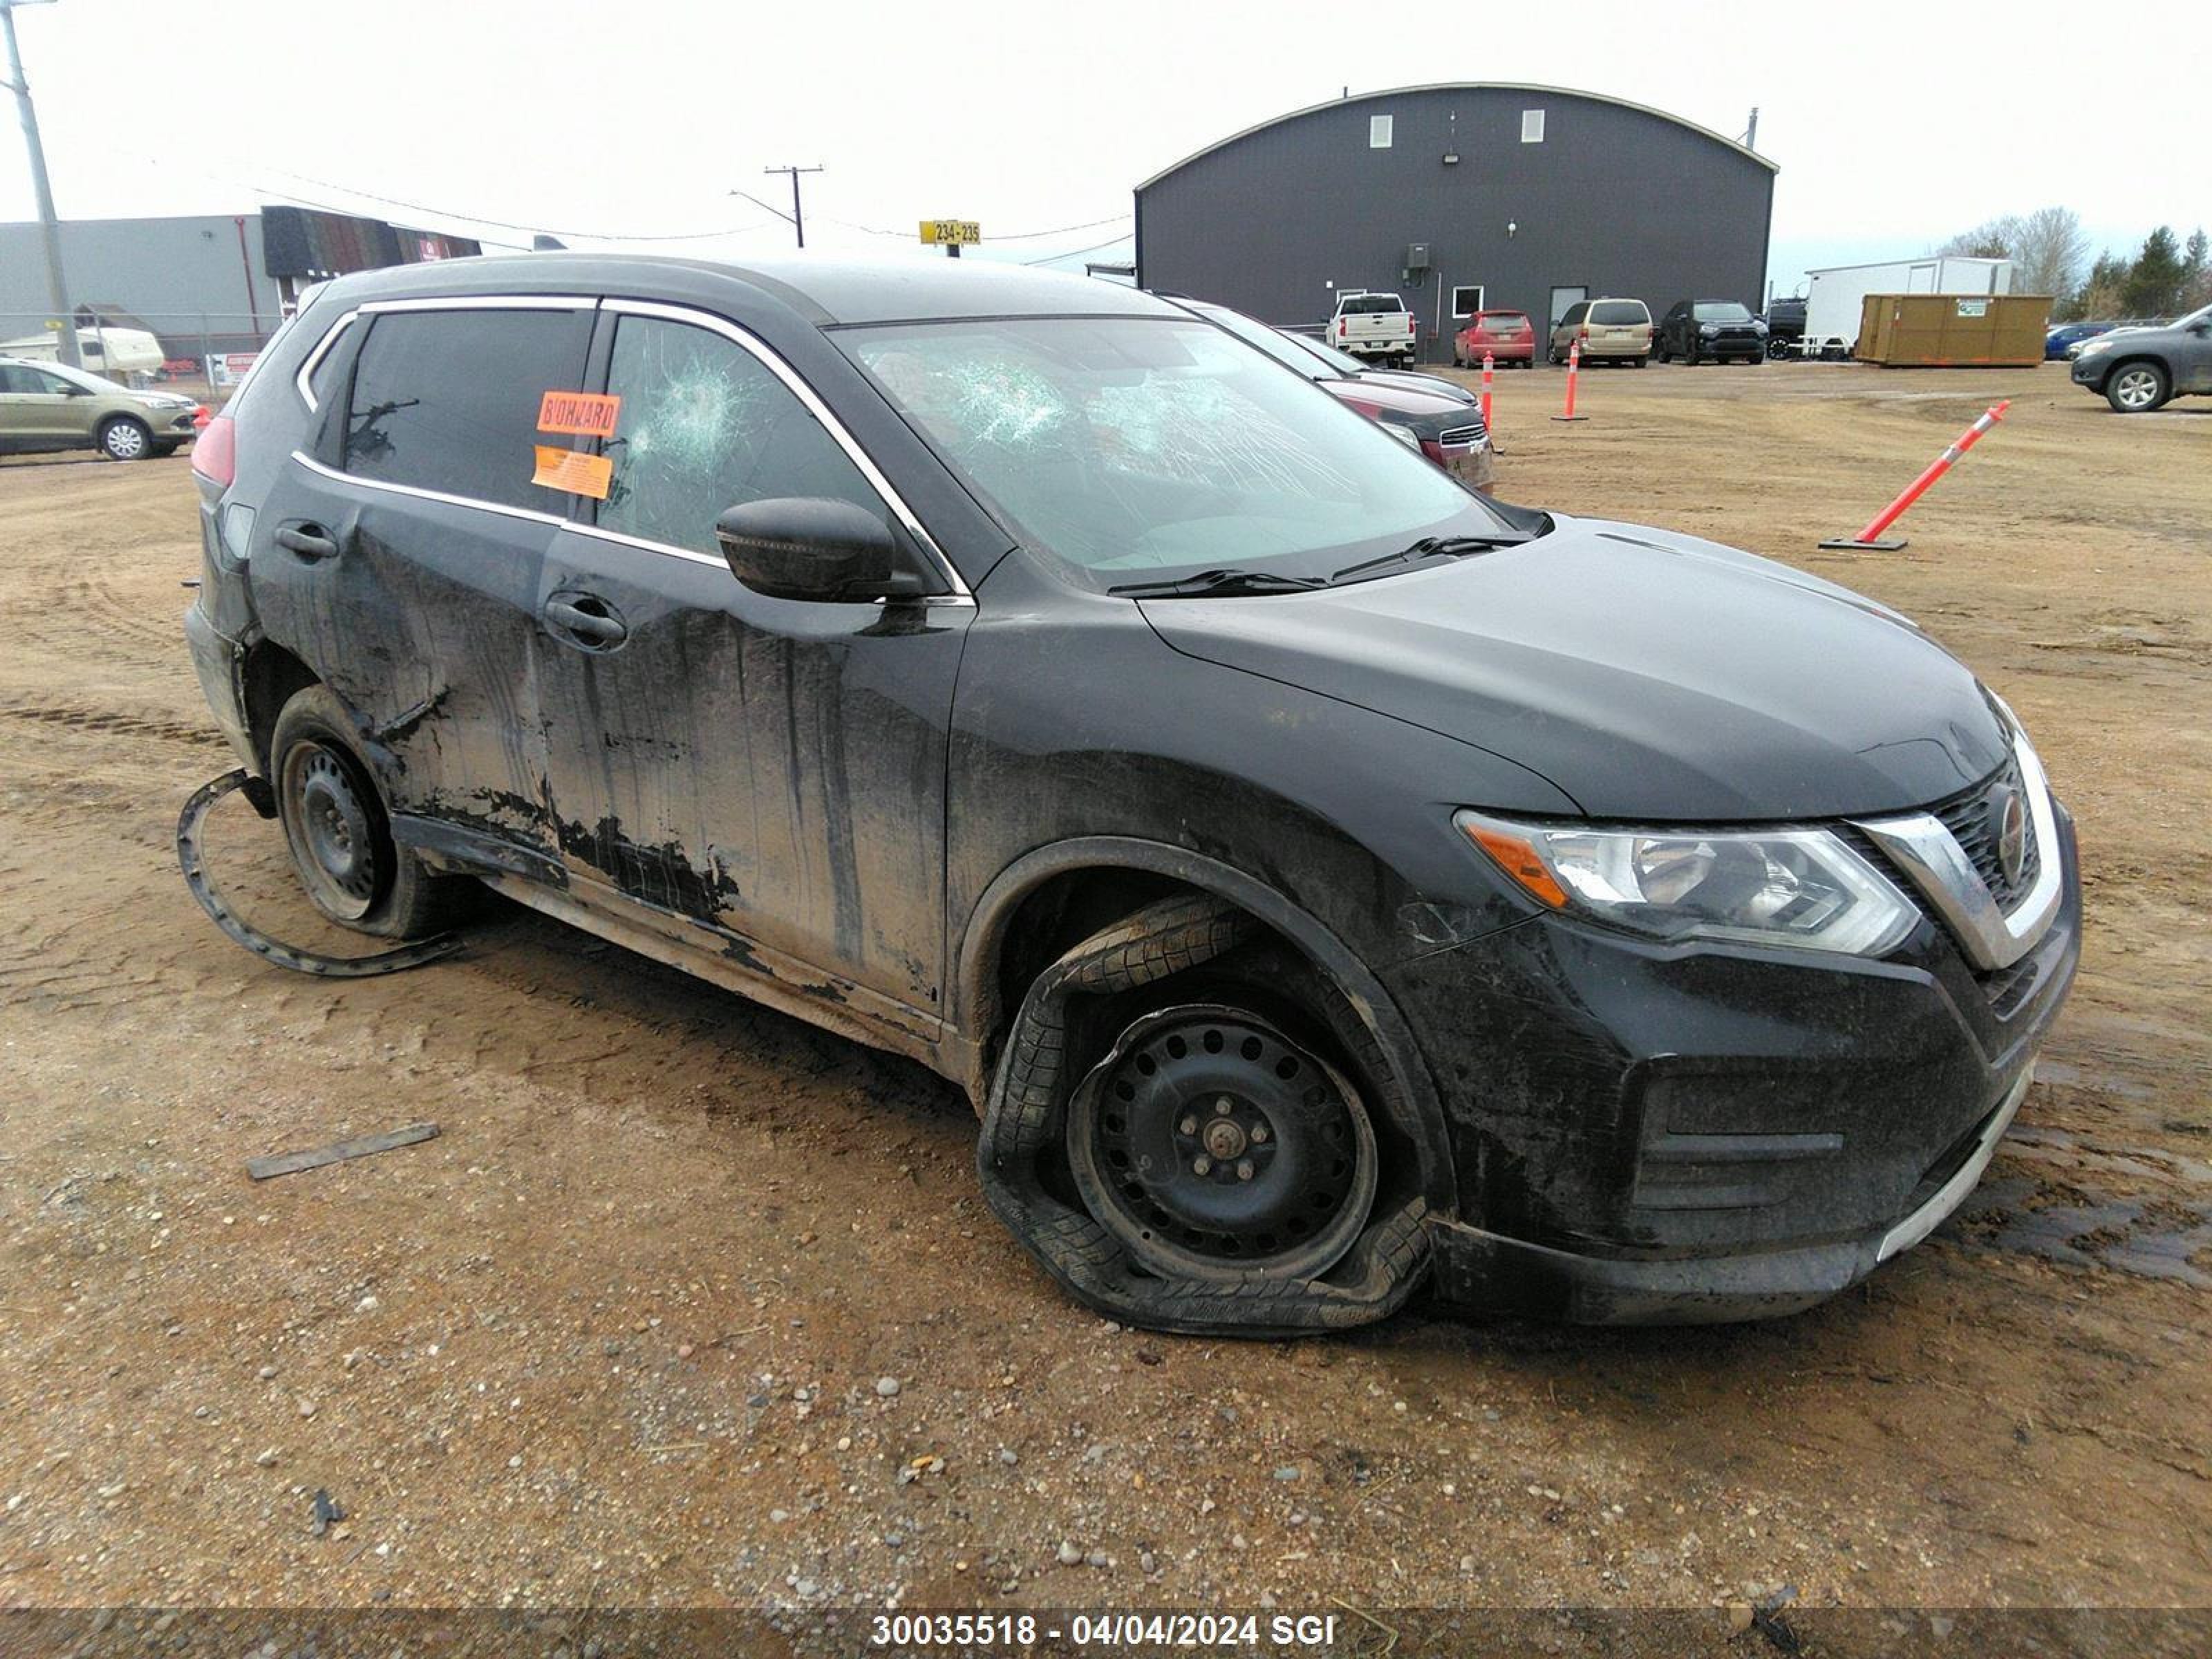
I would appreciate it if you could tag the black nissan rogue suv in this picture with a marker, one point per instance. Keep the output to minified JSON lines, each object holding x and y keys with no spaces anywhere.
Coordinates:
{"x":1324,"y":882}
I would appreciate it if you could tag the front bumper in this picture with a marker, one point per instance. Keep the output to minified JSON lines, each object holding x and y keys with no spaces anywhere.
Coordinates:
{"x":2090,"y":371}
{"x":1651,"y":1135}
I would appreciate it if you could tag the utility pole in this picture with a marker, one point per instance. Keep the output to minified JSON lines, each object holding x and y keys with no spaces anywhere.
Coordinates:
{"x":798,"y":217}
{"x":56,"y":285}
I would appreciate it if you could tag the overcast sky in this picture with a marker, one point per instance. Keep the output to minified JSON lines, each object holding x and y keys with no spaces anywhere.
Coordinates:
{"x":1893,"y":125}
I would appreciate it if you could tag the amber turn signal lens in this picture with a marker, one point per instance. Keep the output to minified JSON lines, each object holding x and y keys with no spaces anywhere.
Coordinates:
{"x":1518,"y":859}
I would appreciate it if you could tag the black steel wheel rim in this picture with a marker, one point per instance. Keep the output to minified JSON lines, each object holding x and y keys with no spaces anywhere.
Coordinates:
{"x":1216,"y":1147}
{"x":329,"y":819}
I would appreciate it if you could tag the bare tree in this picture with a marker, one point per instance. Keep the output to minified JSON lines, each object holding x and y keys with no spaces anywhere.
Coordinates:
{"x":2048,"y":250}
{"x":1991,"y":240}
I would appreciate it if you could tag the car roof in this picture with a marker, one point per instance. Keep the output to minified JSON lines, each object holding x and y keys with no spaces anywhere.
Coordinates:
{"x":825,"y":290}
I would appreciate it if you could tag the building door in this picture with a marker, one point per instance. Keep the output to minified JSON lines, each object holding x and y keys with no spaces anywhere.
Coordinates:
{"x":1561,"y":298}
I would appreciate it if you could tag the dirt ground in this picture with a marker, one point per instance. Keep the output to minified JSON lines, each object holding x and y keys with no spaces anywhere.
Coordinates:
{"x":617,"y":1335}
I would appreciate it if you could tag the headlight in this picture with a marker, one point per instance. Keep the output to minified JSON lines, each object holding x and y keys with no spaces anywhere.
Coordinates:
{"x":2102,"y":342}
{"x":1759,"y":328}
{"x":1404,"y":434}
{"x":1802,"y":888}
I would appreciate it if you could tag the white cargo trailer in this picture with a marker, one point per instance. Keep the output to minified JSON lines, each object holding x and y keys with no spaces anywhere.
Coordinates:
{"x":1834,"y":299}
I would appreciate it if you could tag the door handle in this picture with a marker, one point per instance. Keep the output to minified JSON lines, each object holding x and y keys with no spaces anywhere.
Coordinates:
{"x":588,"y":618}
{"x":309,"y":541}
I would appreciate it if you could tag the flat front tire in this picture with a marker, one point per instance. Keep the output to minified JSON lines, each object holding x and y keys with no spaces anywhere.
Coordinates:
{"x":1189,"y":1130}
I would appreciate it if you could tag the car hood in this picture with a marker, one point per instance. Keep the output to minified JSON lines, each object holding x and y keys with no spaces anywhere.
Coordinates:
{"x":1649,"y":676}
{"x":1393,"y":395}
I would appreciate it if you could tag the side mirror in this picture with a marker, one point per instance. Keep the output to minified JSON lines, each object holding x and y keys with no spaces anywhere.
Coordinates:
{"x":76,"y":391}
{"x":810,"y":547}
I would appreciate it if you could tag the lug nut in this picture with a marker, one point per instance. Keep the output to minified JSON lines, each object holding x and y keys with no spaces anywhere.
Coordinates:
{"x":1243,"y":1169}
{"x":1225,"y":1104}
{"x":1259,"y":1133}
{"x":1188,"y":1126}
{"x":1201,"y":1164}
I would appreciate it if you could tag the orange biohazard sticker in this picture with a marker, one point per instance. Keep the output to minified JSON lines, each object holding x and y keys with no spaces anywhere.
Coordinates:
{"x":580,"y":413}
{"x":574,"y":472}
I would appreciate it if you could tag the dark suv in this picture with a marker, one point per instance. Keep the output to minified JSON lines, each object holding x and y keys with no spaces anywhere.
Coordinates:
{"x":1323,"y":881}
{"x":1710,"y":330}
{"x":2138,"y":369}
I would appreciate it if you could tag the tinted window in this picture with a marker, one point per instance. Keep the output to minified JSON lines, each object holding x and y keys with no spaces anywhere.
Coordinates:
{"x":1722,"y":311}
{"x":705,"y":426}
{"x":26,"y":382}
{"x":1575,"y":313}
{"x":447,"y":400}
{"x":1366,"y":304}
{"x":1615,"y":312}
{"x":336,"y":363}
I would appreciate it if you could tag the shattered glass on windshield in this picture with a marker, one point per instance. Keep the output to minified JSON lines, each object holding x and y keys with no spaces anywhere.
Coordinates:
{"x":1142,"y":445}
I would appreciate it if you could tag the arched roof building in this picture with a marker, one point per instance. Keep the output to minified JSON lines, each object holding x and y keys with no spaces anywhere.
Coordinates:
{"x":1523,"y":197}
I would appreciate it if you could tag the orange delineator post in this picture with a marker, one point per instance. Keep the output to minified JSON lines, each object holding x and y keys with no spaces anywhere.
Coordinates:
{"x":1574,"y":373}
{"x":1487,"y":366}
{"x":1871,"y":537}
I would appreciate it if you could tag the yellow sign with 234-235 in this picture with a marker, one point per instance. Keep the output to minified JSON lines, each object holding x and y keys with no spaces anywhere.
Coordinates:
{"x":934,"y":231}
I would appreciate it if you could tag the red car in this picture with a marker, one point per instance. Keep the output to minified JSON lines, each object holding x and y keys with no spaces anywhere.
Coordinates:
{"x":1507,"y":336}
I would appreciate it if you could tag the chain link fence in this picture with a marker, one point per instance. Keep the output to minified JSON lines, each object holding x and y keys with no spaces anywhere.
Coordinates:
{"x":199,"y":353}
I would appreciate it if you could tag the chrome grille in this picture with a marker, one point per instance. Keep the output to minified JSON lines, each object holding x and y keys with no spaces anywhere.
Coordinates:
{"x":1971,"y":818}
{"x":1462,"y":434}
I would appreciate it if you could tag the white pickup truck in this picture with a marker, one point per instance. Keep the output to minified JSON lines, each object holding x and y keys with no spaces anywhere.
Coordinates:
{"x":1376,"y":325}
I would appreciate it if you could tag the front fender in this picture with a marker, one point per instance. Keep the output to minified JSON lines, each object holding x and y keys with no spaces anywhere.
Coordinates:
{"x":977,"y":1013}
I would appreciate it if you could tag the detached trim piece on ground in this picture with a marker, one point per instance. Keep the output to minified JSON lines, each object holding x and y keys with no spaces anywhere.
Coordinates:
{"x":1024,"y":1124}
{"x":411,"y":955}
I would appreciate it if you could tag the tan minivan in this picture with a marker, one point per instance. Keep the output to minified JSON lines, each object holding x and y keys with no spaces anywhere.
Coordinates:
{"x":1618,"y":330}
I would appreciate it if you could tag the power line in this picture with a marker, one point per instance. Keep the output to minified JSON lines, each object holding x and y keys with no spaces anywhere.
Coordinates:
{"x":1010,"y":236}
{"x":496,"y":224}
{"x":1032,"y":235}
{"x":622,"y":236}
{"x":1069,"y":253}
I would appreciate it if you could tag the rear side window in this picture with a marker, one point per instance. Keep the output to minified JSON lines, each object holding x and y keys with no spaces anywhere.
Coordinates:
{"x":30,"y":382}
{"x":1576,"y":312}
{"x":447,"y":400}
{"x":1614,"y":312}
{"x":705,"y":426}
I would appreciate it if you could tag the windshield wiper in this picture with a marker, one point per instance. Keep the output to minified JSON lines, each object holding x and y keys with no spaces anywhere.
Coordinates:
{"x":1432,"y":547}
{"x":1220,"y":583}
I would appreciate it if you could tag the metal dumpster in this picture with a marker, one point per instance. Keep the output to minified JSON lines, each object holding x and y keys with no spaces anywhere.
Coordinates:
{"x":1952,"y":331}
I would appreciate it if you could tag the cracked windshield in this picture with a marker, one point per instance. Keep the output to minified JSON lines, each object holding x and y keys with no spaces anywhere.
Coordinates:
{"x":1132,"y":445}
{"x":705,"y":426}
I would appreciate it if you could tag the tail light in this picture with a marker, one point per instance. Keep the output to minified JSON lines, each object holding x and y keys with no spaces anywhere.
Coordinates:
{"x":214,"y":452}
{"x":1409,"y":325}
{"x":1583,"y":333}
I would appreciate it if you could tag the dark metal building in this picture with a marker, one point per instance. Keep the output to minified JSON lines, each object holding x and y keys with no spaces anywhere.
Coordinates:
{"x":1457,"y":197}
